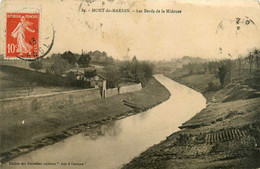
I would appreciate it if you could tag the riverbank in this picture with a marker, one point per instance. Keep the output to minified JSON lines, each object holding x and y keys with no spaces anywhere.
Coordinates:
{"x":26,"y":131}
{"x":226,"y":134}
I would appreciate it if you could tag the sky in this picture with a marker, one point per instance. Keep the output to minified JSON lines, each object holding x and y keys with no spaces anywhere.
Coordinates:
{"x":207,"y":28}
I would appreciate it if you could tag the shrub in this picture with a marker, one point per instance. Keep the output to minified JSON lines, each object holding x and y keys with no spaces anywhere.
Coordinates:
{"x":212,"y":87}
{"x":36,"y":65}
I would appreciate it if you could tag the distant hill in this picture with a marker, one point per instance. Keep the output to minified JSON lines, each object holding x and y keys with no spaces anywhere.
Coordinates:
{"x":100,"y":58}
{"x":173,"y":64}
{"x":188,"y":59}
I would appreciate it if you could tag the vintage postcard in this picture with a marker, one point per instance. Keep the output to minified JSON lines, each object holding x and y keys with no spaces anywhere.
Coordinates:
{"x":133,"y":84}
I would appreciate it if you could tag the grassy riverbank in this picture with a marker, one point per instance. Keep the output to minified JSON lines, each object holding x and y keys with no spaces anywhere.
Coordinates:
{"x":226,"y":134}
{"x":41,"y":128}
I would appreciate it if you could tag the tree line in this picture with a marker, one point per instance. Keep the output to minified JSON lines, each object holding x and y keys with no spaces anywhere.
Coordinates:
{"x":128,"y":71}
{"x":115,"y":71}
{"x":59,"y":63}
{"x":226,"y":69}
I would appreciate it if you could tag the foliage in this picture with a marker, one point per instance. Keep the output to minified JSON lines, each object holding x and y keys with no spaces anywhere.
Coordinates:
{"x":48,"y":69}
{"x":70,"y":57}
{"x":134,"y":68}
{"x":84,"y":60}
{"x":113,"y":76}
{"x":36,"y":65}
{"x":256,"y":54}
{"x":59,"y":67}
{"x":145,"y":71}
{"x":124,"y":69}
{"x":224,"y":72}
{"x":100,"y":58}
{"x":135,"y":71}
{"x":90,"y":73}
{"x":55,"y":56}
{"x":115,"y":71}
{"x":195,"y":68}
{"x":212,"y":66}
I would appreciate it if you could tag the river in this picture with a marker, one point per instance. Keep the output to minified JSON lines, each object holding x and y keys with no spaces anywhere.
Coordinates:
{"x":111,"y":145}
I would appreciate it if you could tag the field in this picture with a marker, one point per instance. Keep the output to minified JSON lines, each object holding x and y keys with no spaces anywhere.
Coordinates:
{"x":16,"y":82}
{"x":198,"y":82}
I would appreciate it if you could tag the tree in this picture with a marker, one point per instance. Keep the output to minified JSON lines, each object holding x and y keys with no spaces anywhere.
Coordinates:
{"x":59,"y":67}
{"x":36,"y":65}
{"x":256,"y":54}
{"x":101,"y":58}
{"x":205,"y":67}
{"x":90,"y":73}
{"x":251,"y":61}
{"x":108,"y":60}
{"x":124,"y":69}
{"x":224,"y":73}
{"x":112,"y":75}
{"x":191,"y":68}
{"x":55,"y":56}
{"x":212,"y":67}
{"x":84,"y":60}
{"x":145,"y":72}
{"x":134,"y":69}
{"x":239,"y":60}
{"x":70,"y":57}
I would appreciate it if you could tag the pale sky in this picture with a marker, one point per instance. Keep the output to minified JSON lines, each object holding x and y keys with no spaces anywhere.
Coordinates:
{"x":207,"y":28}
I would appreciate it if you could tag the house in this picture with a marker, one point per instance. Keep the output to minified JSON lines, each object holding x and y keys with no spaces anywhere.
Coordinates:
{"x":88,"y":78}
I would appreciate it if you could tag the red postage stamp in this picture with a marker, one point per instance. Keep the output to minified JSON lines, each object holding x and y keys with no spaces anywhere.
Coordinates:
{"x":22,"y":35}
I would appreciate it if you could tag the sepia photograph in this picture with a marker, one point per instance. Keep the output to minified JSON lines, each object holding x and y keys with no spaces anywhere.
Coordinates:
{"x":130,"y":84}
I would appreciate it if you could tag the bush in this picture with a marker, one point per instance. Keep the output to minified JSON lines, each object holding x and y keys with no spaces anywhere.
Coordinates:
{"x":59,"y":67}
{"x":212,"y":87}
{"x":112,"y":74}
{"x":84,"y":60}
{"x":36,"y":65}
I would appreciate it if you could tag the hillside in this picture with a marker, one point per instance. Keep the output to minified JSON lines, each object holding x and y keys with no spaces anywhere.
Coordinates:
{"x":16,"y":82}
{"x":226,"y":134}
{"x":174,"y":64}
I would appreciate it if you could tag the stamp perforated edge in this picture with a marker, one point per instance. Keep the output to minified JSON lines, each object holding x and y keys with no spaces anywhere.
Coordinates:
{"x":20,"y":8}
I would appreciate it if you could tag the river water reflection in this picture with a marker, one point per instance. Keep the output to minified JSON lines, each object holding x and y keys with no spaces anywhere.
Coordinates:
{"x":111,"y":145}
